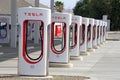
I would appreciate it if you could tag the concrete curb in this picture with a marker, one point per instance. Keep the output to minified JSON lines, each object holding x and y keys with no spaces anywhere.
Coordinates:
{"x":91,"y":50}
{"x":76,"y":58}
{"x":84,"y":53}
{"x":60,"y":65}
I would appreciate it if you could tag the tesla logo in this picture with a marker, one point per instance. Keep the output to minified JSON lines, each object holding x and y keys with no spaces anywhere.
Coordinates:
{"x":33,"y":14}
{"x":58,"y":17}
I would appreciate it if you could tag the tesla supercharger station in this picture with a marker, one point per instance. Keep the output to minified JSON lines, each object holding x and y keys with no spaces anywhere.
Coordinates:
{"x":104,"y":31}
{"x":75,"y":37}
{"x":33,"y":65}
{"x":83,"y":39}
{"x":59,"y":46}
{"x":96,"y":23}
{"x":4,"y":30}
{"x":98,"y":33}
{"x":101,"y":31}
{"x":90,"y":35}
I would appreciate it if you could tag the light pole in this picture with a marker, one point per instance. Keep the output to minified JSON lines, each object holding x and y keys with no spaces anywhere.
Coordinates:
{"x":36,"y":32}
{"x":36,"y":3}
{"x":52,"y":6}
{"x":13,"y":24}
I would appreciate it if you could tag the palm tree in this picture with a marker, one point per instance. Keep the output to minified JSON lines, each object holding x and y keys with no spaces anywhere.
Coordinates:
{"x":59,"y":6}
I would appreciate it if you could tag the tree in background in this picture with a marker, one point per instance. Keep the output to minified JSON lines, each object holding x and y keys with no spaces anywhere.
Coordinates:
{"x":115,"y":14}
{"x":59,"y":6}
{"x":98,"y":8}
{"x":81,"y":8}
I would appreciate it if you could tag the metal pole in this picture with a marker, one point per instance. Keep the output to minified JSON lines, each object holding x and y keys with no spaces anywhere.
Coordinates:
{"x":52,"y":6}
{"x":13,"y":24}
{"x":36,"y":3}
{"x":36,"y":30}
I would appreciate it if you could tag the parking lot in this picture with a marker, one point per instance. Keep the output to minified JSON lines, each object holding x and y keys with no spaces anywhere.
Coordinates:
{"x":103,"y":64}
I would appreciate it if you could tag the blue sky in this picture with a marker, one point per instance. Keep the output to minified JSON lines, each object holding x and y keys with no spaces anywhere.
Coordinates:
{"x":68,"y":4}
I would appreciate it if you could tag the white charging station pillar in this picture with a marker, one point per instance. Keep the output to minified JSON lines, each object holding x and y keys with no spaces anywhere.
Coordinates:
{"x":75,"y":37}
{"x":29,"y":66}
{"x":90,"y":35}
{"x":83,"y":40}
{"x":102,"y":22}
{"x":98,"y":34}
{"x":105,"y":31}
{"x":59,"y":46}
{"x":107,"y":26}
{"x":4,"y":30}
{"x":96,"y":23}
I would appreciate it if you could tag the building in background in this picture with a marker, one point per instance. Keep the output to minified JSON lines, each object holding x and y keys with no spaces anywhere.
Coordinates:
{"x":5,"y":6}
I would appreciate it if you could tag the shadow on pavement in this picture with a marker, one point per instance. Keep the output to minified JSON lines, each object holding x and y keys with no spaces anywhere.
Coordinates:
{"x":58,"y":77}
{"x":6,"y":52}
